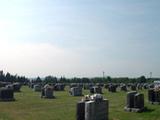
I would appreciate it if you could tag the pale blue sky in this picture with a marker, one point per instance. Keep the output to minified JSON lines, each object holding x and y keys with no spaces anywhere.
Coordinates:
{"x":80,"y":37}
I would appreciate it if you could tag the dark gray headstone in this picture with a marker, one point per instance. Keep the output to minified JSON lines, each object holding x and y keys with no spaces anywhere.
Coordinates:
{"x":130,"y":99}
{"x":6,"y":94}
{"x":139,"y":101}
{"x":80,"y":113}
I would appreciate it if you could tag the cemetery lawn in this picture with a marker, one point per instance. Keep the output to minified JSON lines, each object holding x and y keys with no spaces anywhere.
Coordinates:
{"x":29,"y":106}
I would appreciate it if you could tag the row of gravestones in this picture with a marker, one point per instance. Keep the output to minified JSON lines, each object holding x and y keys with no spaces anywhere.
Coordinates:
{"x":96,"y":108}
{"x":77,"y":91}
{"x":7,"y":91}
{"x":38,"y":86}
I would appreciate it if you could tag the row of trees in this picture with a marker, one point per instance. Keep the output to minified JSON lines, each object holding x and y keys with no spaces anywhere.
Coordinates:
{"x":12,"y":78}
{"x":52,"y":79}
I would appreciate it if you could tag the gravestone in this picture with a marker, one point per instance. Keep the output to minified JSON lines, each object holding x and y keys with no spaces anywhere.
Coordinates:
{"x":4,"y":84}
{"x":88,"y":86}
{"x":123,"y":88}
{"x":96,"y":89}
{"x":94,"y":108}
{"x":47,"y":92}
{"x":139,"y":86}
{"x":16,"y":87}
{"x":133,"y":87}
{"x":6,"y":94}
{"x":76,"y":91}
{"x":139,"y":101}
{"x":112,"y":88}
{"x":80,"y":112}
{"x":59,"y":87}
{"x":135,"y":102}
{"x":154,"y":96}
{"x":37,"y":88}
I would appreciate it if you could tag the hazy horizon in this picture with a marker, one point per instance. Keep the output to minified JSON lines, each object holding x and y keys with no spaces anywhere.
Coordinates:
{"x":80,"y":38}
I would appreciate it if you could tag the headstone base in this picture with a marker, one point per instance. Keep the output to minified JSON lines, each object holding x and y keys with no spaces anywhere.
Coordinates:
{"x":48,"y":97}
{"x":154,"y":103}
{"x":7,"y":99}
{"x":133,"y":109}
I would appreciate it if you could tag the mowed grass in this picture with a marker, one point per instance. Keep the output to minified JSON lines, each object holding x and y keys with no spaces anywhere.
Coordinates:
{"x":29,"y":106}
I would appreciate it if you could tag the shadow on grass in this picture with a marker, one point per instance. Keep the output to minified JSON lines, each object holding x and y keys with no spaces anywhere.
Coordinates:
{"x":148,"y":110}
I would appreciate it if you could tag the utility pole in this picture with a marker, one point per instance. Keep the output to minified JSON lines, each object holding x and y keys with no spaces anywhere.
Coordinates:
{"x":103,"y":74}
{"x":150,"y":75}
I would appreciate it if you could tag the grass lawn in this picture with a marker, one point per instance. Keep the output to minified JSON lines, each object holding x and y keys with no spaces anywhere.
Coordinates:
{"x":29,"y":106}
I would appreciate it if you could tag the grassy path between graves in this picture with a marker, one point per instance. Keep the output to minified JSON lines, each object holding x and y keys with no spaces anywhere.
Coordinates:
{"x":29,"y":106}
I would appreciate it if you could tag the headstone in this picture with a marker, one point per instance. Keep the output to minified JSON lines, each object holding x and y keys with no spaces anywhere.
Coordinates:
{"x":80,"y":113}
{"x":154,"y":96}
{"x":133,"y":87}
{"x":139,"y":101}
{"x":130,"y":99}
{"x":37,"y":88}
{"x":16,"y":87}
{"x":151,"y":95}
{"x":94,"y":109}
{"x":6,"y":94}
{"x":139,"y":86}
{"x":135,"y":102}
{"x":112,"y":88}
{"x":59,"y":87}
{"x":76,"y":91}
{"x":96,"y":89}
{"x":47,"y":92}
{"x":123,"y":88}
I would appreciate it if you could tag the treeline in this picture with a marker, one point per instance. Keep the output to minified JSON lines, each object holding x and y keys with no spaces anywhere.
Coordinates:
{"x":52,"y":79}
{"x":12,"y":78}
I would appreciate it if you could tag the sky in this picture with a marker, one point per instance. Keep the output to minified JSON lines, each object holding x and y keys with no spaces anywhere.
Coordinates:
{"x":80,"y":38}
